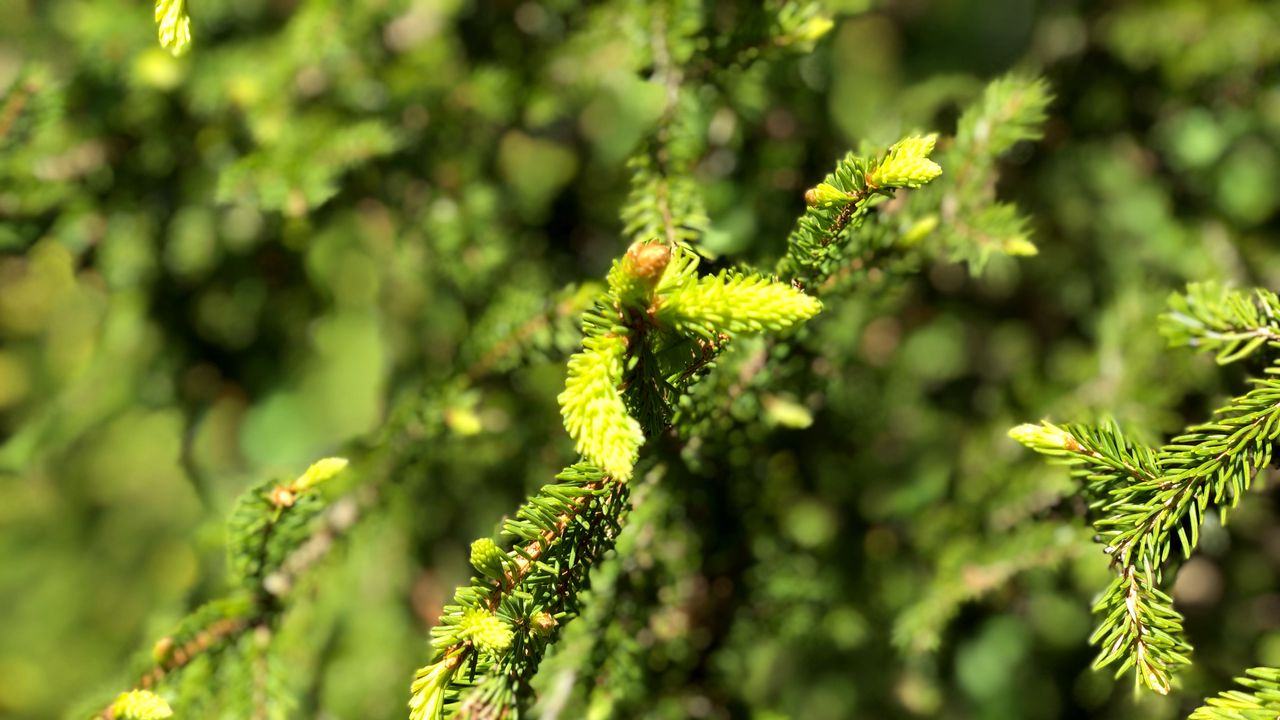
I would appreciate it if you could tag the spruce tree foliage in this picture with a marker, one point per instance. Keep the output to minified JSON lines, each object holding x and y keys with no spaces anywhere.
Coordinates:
{"x":654,"y":331}
{"x":1260,"y":699}
{"x":174,"y":25}
{"x":1148,"y":503}
{"x":657,"y":327}
{"x":257,"y":233}
{"x":276,"y":531}
{"x":140,"y":705}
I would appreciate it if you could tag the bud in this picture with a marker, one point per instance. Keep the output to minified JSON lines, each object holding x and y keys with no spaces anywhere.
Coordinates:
{"x":488,"y":559}
{"x":634,"y":277}
{"x":140,"y":705}
{"x":283,"y":497}
{"x":543,"y":623}
{"x":1045,"y":436}
{"x":160,"y":651}
{"x":463,"y":421}
{"x":919,"y":230}
{"x":826,"y":195}
{"x":646,"y":261}
{"x":486,"y":631}
{"x":813,"y":29}
{"x":1020,"y":246}
{"x":319,"y":471}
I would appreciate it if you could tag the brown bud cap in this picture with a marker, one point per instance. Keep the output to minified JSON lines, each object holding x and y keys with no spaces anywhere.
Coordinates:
{"x":160,"y":652}
{"x":647,"y":261}
{"x":283,"y":497}
{"x":543,"y":623}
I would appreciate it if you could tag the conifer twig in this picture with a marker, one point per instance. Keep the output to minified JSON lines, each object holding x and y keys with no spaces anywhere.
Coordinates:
{"x":221,"y":623}
{"x":527,"y":557}
{"x":1145,"y":498}
{"x":671,"y":79}
{"x":1259,"y":700}
{"x":512,"y":340}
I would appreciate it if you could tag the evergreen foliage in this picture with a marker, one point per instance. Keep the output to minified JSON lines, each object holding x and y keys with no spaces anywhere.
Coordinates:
{"x":274,"y":534}
{"x":594,"y":413}
{"x":1147,"y":502}
{"x":1262,"y":700}
{"x":727,"y":304}
{"x":1230,"y":323}
{"x":786,"y":272}
{"x":174,"y":25}
{"x":973,"y":223}
{"x":490,"y":640}
{"x":655,"y":330}
{"x":140,"y":705}
{"x":966,"y":574}
{"x":655,"y":304}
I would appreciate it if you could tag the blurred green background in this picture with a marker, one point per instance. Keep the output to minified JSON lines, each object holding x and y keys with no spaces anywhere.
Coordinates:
{"x":317,"y":232}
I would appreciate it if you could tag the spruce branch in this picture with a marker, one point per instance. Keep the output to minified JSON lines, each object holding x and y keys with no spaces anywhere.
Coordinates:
{"x":973,"y":572}
{"x":300,"y":171}
{"x":273,"y":519}
{"x":959,"y":217}
{"x":997,"y":228}
{"x":664,"y":204}
{"x":506,"y":334}
{"x":273,"y":541}
{"x":1102,"y":456}
{"x":1212,"y":463}
{"x":844,"y":198}
{"x":173,"y":25}
{"x":640,"y":338}
{"x":490,"y":640}
{"x":665,"y":201}
{"x":840,"y":239}
{"x":1140,"y":629}
{"x":1012,"y":109}
{"x":1232,"y":324}
{"x":763,"y":30}
{"x":841,"y":208}
{"x":1259,"y":701}
{"x":32,"y":104}
{"x":209,"y":629}
{"x":1144,"y":500}
{"x":637,"y":338}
